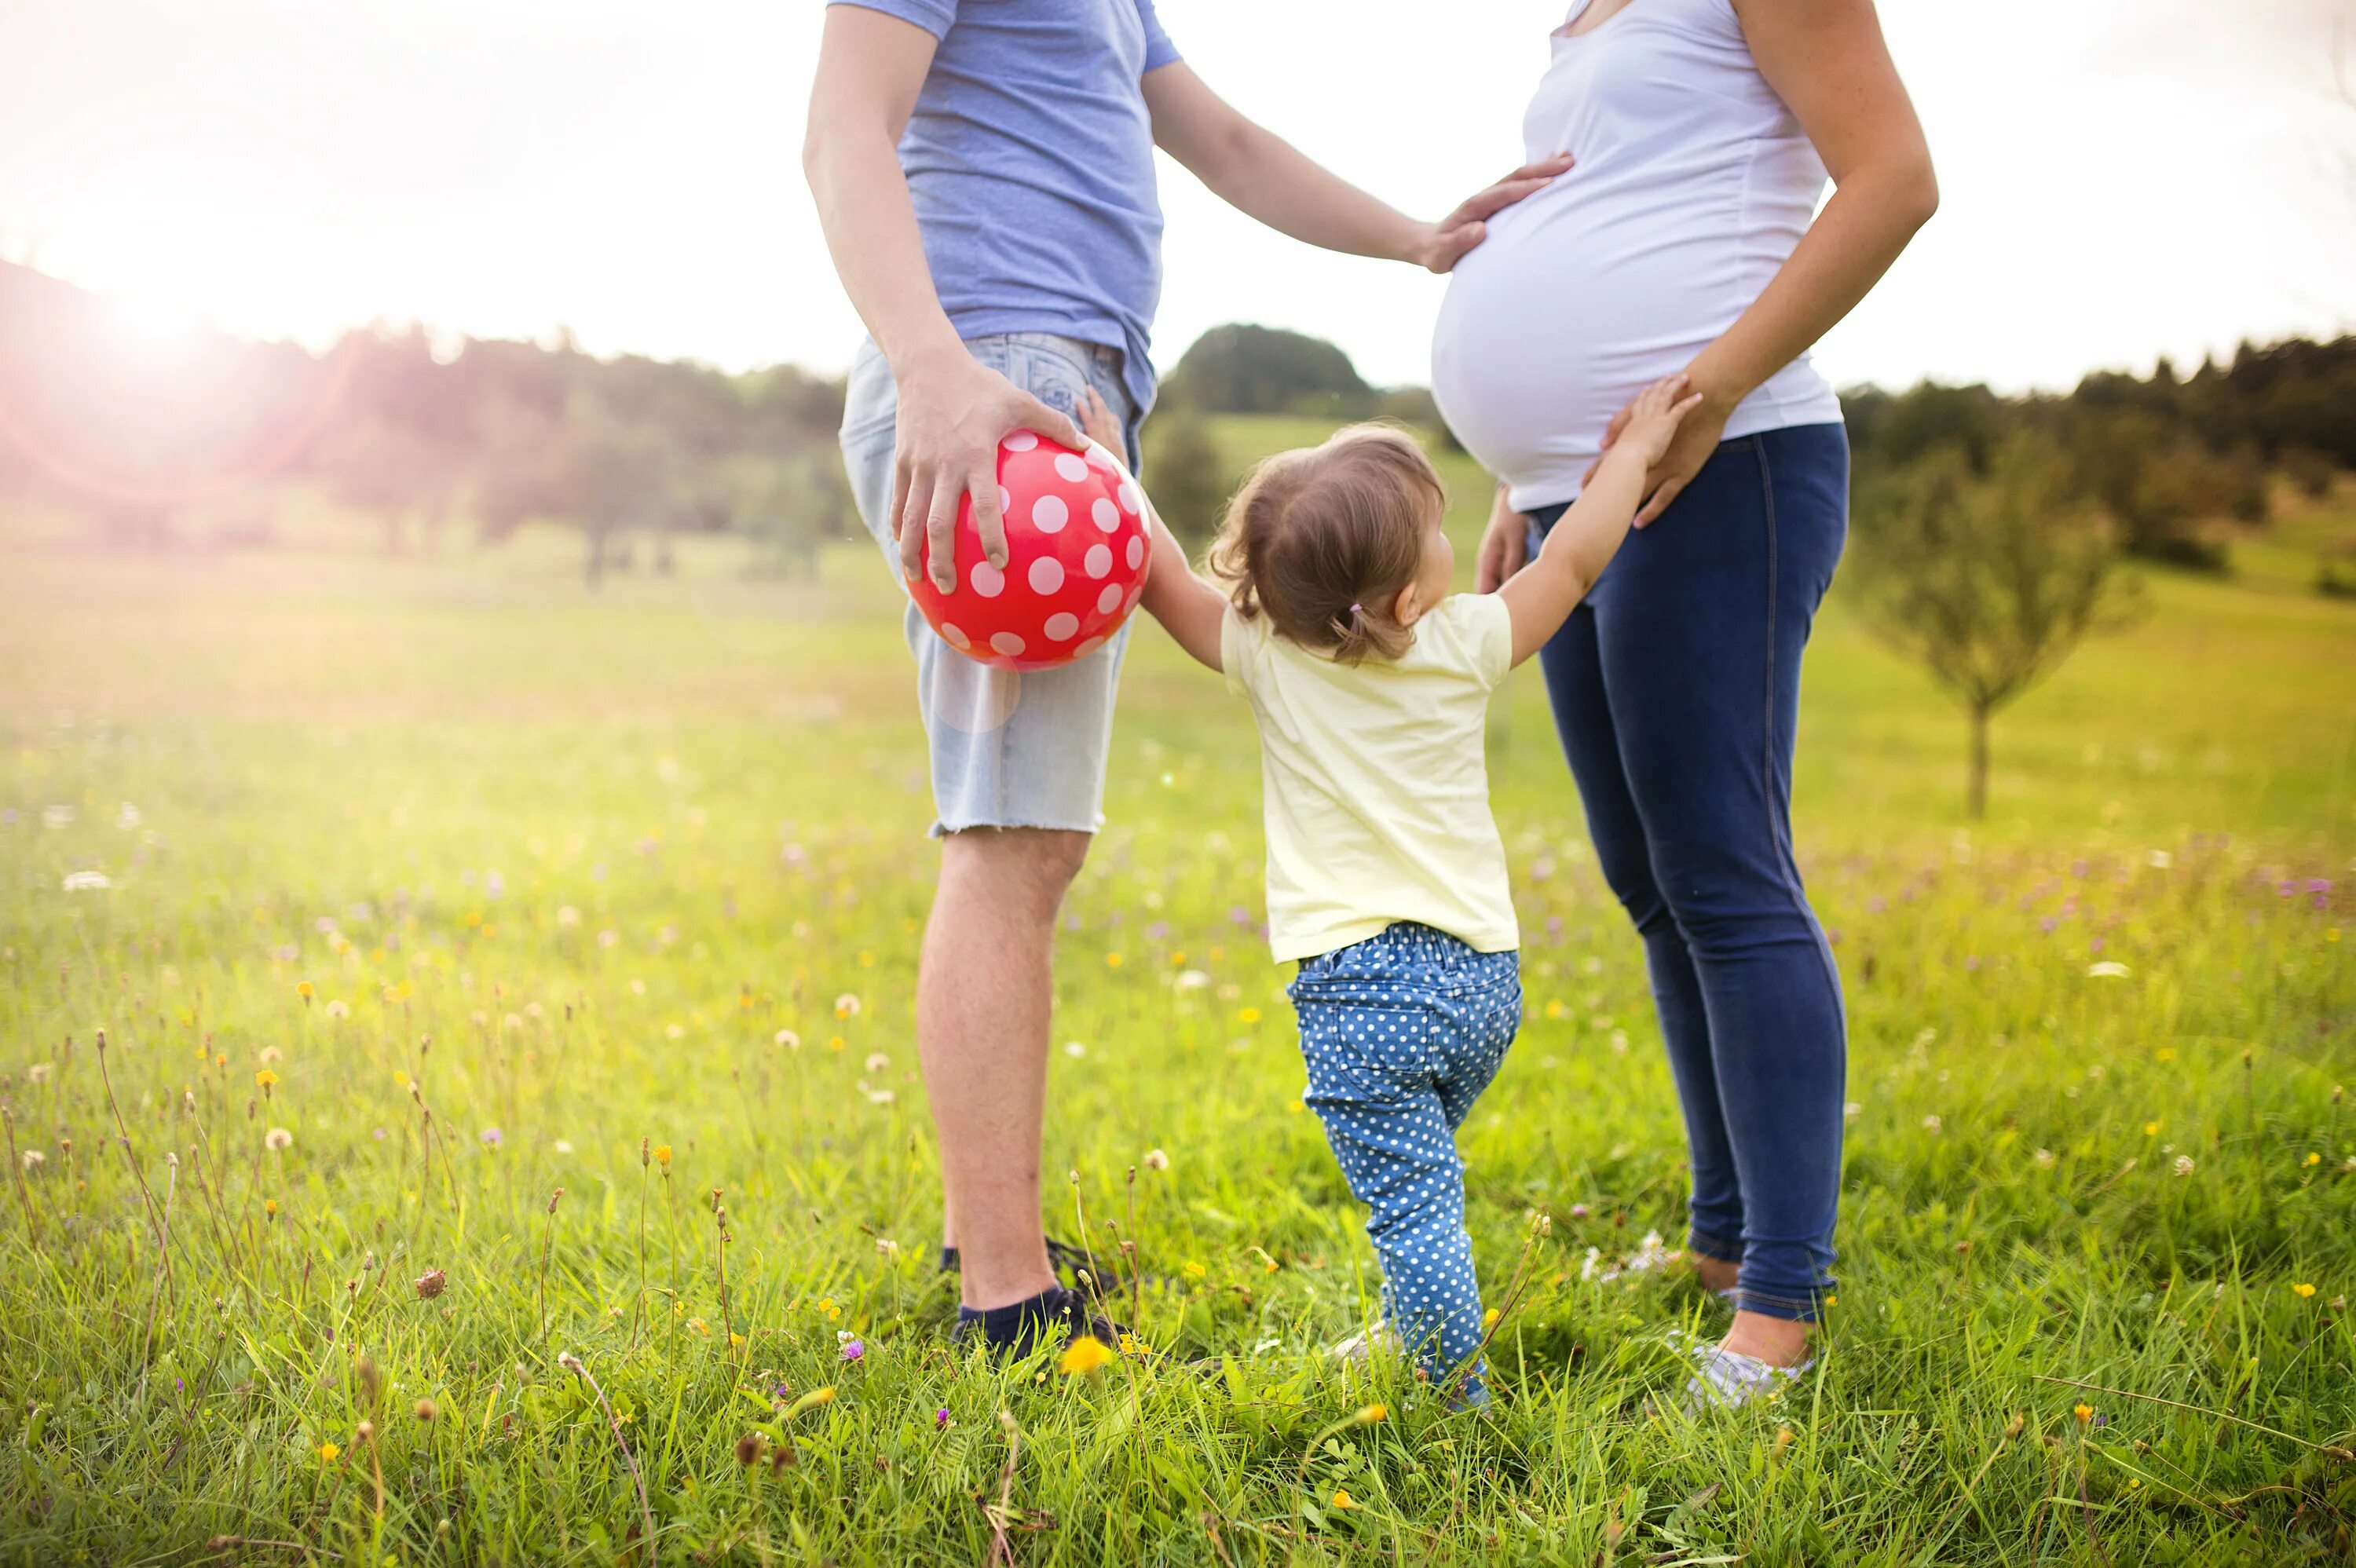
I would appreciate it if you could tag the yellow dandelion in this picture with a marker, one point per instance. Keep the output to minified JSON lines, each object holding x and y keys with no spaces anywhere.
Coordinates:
{"x":734,"y":1340}
{"x":1246,"y":1015}
{"x":662,"y":1155}
{"x":269,"y":1205}
{"x":2302,"y":1290}
{"x":826,"y":1304}
{"x":1293,"y":1107}
{"x":2151,"y":1129}
{"x":2084,"y":1412}
{"x":1489,"y":1318}
{"x":266,"y":1078}
{"x":1341,"y":1499}
{"x":2168,"y":1054}
{"x":303,"y":990}
{"x":1113,"y":960}
{"x":327,"y":1452}
{"x":1084,"y":1355}
{"x":1373,"y":1413}
{"x":1195,"y":1271}
{"x":2313,"y":1158}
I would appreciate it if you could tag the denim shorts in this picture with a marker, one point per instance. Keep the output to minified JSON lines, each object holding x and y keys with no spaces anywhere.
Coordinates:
{"x":1008,"y":748}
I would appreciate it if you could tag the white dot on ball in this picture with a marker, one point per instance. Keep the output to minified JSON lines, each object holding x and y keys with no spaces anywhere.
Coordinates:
{"x":1006,"y":643}
{"x":1046,"y":574}
{"x":1128,"y":496}
{"x":1020,"y":441}
{"x":1136,"y":552}
{"x":1048,"y":513}
{"x":1085,"y":649}
{"x":1005,"y":500}
{"x":1061,"y":625}
{"x":1106,"y":515}
{"x":1102,"y":459}
{"x":1108,"y":598}
{"x":955,"y":638}
{"x":1098,"y":560}
{"x":987,"y":580}
{"x":1071,"y":467}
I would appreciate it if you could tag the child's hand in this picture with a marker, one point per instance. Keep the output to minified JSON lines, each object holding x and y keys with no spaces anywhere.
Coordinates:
{"x":1097,"y":423}
{"x":1653,"y":417}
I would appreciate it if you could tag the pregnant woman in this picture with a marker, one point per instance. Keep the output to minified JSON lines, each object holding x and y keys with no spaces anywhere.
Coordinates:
{"x":1687,"y":237}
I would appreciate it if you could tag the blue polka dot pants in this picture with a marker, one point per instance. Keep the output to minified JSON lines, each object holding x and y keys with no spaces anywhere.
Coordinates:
{"x":1400,"y":1034}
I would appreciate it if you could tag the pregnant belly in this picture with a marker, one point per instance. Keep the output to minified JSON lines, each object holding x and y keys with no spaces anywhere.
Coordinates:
{"x":1548,"y":330}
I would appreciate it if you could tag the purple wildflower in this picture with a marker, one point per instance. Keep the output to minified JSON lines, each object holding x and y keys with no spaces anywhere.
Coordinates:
{"x":492,"y":1137}
{"x":854,"y":1349}
{"x":941,"y":1417}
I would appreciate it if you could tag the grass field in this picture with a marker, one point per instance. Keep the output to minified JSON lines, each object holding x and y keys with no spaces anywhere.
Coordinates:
{"x":647,"y":869}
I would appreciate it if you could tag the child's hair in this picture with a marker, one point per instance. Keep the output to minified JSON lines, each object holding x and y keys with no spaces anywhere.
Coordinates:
{"x":1321,"y":540}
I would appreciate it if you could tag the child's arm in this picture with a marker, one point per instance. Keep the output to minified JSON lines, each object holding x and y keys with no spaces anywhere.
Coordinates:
{"x":1540,"y":597}
{"x":1189,"y":609}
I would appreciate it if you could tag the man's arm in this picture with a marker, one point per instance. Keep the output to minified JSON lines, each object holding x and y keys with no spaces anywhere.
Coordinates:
{"x":953,"y":412}
{"x":1260,"y":173}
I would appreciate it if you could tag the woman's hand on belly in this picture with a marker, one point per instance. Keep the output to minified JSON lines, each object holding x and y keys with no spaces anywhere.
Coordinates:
{"x":1696,"y":439}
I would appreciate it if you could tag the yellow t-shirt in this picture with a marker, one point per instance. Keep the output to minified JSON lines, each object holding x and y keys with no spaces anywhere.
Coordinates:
{"x":1376,"y":786}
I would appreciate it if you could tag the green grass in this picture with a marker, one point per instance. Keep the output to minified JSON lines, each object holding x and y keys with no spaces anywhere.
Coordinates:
{"x":704,"y":801}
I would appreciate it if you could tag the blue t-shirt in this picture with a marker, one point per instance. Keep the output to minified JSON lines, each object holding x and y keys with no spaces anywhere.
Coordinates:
{"x":1030,"y":158}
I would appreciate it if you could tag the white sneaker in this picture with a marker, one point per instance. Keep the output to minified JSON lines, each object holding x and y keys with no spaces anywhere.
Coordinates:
{"x":1375,"y":1338}
{"x":1728,"y":1380}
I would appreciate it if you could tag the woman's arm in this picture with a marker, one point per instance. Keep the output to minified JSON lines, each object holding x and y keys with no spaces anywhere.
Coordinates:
{"x":1827,"y":60}
{"x":1265,"y":177}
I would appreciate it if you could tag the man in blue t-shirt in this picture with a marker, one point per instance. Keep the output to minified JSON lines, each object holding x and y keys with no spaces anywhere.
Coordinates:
{"x":984,"y":172}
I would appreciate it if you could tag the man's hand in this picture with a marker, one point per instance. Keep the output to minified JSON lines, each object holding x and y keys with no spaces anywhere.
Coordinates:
{"x":1701,"y":425}
{"x":1505,"y":547}
{"x":954,"y":411}
{"x":1444,"y":244}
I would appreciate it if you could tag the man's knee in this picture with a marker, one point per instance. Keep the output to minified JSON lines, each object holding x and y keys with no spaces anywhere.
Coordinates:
{"x":1025,"y":870}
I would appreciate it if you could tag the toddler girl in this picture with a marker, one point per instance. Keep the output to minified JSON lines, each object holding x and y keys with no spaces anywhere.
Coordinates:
{"x":1332,"y":616}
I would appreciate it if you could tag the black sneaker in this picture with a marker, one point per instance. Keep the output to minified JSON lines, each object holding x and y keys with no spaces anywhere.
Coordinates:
{"x":1086,"y":1277}
{"x":1023,"y":1327}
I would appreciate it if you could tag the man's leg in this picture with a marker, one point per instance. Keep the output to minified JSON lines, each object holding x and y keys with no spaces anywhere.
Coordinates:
{"x":985,"y":988}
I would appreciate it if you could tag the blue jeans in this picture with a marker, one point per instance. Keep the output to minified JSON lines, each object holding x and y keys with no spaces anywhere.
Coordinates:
{"x":1401,"y":1033}
{"x":1676,"y":688}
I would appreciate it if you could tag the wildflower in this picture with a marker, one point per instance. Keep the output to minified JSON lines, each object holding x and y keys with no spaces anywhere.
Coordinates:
{"x":1113,"y":960}
{"x":38,"y":1073}
{"x":277,"y":1139}
{"x":86,"y":882}
{"x":700,"y":1325}
{"x":2108,"y":969}
{"x":327,"y":1452}
{"x":1246,"y":1015}
{"x":425,"y":1411}
{"x":854,"y":1349}
{"x":1075,"y":1049}
{"x":941,"y":1419}
{"x":567,"y":915}
{"x":2044,"y":1158}
{"x":1156,"y":1160}
{"x":2151,"y":1129}
{"x":492,"y":1137}
{"x":1193,"y":1270}
{"x":886,"y":1247}
{"x":1191,"y":980}
{"x":1373,"y":1413}
{"x":789,"y":1039}
{"x":1341,"y":1499}
{"x":268,"y":1054}
{"x":1489,"y":1318}
{"x":826,"y":1305}
{"x":1084,"y":1355}
{"x":662,"y":1155}
{"x":32,"y":1157}
{"x":1931,"y":1124}
{"x":846,"y":1006}
{"x":266,"y":1078}
{"x":2183,"y":1165}
{"x":2084,"y":1413}
{"x":748,"y":1448}
{"x":2313,"y":1158}
{"x":835,"y":1042}
{"x":562,"y":1145}
{"x":2302,"y":1290}
{"x":877,"y":1061}
{"x":269,"y":1206}
{"x":2167,"y":1053}
{"x":337,"y":1010}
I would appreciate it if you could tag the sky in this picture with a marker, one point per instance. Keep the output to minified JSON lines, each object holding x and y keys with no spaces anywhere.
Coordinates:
{"x":2120,"y":178}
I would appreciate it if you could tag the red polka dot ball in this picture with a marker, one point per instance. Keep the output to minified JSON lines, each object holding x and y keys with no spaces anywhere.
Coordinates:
{"x":1075,"y":554}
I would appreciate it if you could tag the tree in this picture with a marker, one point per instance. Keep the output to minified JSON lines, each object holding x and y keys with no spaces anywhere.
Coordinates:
{"x":1988,"y":581}
{"x":1244,"y":369}
{"x":1188,"y":480}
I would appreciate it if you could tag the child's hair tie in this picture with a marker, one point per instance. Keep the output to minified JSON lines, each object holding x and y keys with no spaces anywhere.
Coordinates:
{"x":1357,"y":609}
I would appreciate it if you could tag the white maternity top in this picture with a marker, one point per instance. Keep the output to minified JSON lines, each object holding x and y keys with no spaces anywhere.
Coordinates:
{"x":1693,"y":184}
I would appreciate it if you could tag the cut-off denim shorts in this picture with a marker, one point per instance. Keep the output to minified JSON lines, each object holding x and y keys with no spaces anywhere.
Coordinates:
{"x":1008,"y":748}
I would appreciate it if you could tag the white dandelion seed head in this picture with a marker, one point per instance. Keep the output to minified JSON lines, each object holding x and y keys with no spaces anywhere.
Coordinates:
{"x":789,"y":1039}
{"x":277,"y":1139}
{"x":877,"y":1061}
{"x":1156,"y":1160}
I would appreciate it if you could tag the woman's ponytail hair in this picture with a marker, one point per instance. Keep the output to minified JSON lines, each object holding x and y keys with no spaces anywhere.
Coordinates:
{"x":1321,"y":540}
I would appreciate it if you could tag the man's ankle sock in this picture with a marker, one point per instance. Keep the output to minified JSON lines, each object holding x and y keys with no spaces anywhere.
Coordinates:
{"x":948,"y":1260}
{"x":1017,"y":1323}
